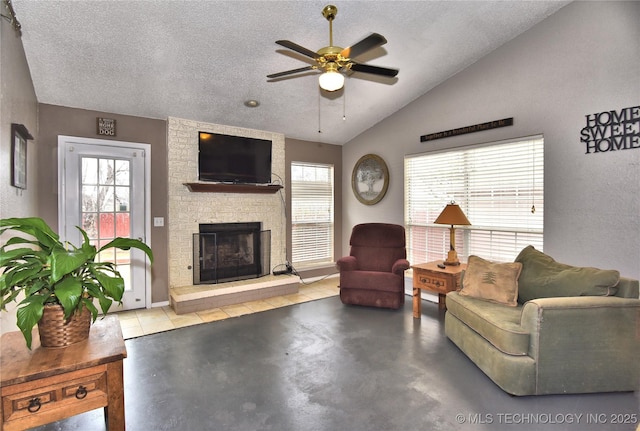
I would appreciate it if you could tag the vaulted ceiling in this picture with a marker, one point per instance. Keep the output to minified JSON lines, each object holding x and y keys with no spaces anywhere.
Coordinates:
{"x":202,"y":60}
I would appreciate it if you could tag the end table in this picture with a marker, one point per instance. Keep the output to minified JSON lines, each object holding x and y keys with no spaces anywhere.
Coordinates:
{"x":45,"y":385}
{"x":429,"y":276}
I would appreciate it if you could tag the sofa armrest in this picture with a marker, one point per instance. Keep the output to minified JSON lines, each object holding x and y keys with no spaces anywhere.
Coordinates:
{"x":584,"y":344}
{"x":628,"y":288}
{"x":347,"y":263}
{"x":400,"y":266}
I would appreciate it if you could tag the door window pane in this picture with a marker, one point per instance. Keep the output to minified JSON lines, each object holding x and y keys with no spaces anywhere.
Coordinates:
{"x":122,"y":198}
{"x":89,"y":170}
{"x":122,"y":172}
{"x":90,"y":224}
{"x":89,"y":198}
{"x":106,"y":171}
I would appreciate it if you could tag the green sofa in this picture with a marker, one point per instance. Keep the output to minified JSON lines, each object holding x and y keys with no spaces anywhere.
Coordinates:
{"x":553,"y":344}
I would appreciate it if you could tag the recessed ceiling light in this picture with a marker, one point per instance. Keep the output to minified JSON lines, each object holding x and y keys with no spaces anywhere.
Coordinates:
{"x":251,"y":103}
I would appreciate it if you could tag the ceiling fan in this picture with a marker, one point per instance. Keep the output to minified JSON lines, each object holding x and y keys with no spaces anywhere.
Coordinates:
{"x":333,"y":60}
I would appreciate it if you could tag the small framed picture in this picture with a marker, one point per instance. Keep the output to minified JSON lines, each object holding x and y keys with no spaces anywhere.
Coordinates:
{"x":20,"y":135}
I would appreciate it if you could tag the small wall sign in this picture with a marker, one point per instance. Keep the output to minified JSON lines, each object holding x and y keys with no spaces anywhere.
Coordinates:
{"x":469,"y":129}
{"x":612,"y":130}
{"x":106,"y":126}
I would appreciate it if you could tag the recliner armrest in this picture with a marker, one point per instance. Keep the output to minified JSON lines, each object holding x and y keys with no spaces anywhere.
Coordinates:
{"x":400,"y":266}
{"x":347,"y":263}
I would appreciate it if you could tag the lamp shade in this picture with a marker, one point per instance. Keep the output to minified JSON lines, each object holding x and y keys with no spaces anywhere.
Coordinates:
{"x":331,"y":80}
{"x":452,"y":215}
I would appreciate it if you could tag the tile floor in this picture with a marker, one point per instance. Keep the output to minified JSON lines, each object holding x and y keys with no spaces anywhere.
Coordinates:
{"x":136,"y":323}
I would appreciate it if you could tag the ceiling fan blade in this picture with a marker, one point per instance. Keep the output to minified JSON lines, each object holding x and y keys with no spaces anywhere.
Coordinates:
{"x":374,"y":40}
{"x":375,"y":70}
{"x":291,"y":72}
{"x":297,"y":48}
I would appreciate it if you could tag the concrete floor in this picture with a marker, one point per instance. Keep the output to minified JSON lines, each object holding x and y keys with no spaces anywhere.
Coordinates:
{"x":320,"y":366}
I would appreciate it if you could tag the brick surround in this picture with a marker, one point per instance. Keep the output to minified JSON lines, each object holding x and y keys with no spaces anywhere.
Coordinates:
{"x":187,"y":210}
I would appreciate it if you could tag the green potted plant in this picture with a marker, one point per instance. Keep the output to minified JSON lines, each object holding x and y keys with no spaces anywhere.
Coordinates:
{"x":52,"y":273}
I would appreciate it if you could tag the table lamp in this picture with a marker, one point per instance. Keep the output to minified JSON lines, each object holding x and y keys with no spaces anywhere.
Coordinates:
{"x":451,"y":215}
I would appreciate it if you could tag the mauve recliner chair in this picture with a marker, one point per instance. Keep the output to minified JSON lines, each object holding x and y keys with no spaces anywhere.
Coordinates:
{"x":373,"y":273}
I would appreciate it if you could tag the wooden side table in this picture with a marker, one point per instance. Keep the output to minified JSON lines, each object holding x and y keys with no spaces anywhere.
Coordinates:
{"x":45,"y":385}
{"x":429,"y":276}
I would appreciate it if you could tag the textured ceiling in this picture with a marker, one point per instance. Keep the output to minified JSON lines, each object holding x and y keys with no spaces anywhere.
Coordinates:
{"x":202,"y":60}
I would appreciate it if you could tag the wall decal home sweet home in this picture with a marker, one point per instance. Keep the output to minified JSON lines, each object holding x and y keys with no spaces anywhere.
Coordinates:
{"x":612,"y":130}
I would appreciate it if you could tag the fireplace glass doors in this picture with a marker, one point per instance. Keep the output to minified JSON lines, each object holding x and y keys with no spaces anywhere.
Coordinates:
{"x":230,"y":251}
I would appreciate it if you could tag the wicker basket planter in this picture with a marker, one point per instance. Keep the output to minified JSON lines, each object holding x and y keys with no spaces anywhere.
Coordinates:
{"x":40,"y":267}
{"x":55,"y":331}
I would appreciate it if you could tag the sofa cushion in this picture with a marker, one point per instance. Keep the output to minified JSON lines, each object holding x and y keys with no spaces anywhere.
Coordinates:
{"x":543,"y":277}
{"x":497,"y":323}
{"x":495,"y":282}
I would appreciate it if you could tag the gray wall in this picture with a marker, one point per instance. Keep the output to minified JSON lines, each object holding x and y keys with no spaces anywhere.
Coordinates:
{"x":315,"y":152}
{"x":18,"y":104}
{"x":582,"y":60}
{"x":59,"y":120}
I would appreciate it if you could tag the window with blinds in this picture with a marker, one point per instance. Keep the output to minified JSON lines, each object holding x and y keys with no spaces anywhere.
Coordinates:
{"x":499,"y":187}
{"x":312,"y":214}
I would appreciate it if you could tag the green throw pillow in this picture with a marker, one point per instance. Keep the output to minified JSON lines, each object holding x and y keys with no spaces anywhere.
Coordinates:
{"x":543,"y":277}
{"x":495,"y":282}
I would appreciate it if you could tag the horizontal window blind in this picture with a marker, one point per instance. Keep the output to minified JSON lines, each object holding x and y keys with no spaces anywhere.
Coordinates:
{"x":312,"y":213}
{"x":499,"y":186}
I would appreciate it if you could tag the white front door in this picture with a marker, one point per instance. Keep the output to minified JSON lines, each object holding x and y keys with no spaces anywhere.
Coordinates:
{"x":103,"y":189}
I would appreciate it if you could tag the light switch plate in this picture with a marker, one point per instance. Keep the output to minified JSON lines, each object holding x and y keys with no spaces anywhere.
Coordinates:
{"x":158,"y":221}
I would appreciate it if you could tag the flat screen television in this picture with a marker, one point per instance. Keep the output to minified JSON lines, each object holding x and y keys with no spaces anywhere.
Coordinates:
{"x":233,"y":159}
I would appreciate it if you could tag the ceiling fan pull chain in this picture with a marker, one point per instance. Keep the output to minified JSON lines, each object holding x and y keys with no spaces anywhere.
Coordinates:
{"x":344,"y":104}
{"x":319,"y":128}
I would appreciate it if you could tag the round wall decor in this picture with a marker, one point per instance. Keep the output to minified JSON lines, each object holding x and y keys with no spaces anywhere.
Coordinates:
{"x":370,"y":179}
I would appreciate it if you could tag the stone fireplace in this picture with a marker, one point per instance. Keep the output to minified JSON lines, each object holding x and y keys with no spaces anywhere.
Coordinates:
{"x":187,"y":210}
{"x":230,"y":251}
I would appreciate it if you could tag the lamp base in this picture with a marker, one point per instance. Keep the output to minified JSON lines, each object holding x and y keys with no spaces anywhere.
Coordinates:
{"x":452,"y":259}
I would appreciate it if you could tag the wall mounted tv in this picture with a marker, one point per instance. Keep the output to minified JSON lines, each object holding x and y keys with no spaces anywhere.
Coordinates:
{"x":233,"y":159}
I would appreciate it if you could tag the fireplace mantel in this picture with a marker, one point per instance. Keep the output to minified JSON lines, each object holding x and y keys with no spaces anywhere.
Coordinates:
{"x":232,"y":188}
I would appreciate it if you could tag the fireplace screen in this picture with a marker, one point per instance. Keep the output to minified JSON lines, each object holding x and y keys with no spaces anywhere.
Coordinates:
{"x":230,"y":251}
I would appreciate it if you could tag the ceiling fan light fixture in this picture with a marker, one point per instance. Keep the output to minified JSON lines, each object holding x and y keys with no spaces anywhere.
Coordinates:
{"x":331,"y":80}
{"x":331,"y":59}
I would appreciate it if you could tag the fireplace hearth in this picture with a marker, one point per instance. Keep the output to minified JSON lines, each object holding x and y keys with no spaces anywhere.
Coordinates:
{"x":230,"y":251}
